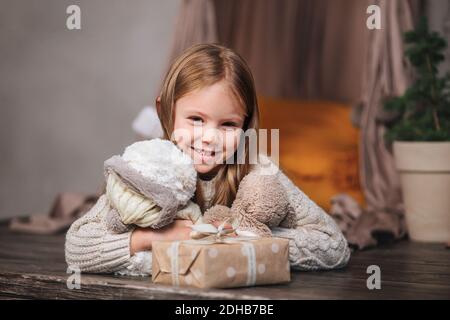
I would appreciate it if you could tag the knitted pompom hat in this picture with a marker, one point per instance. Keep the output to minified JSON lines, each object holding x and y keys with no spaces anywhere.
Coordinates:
{"x":158,"y":169}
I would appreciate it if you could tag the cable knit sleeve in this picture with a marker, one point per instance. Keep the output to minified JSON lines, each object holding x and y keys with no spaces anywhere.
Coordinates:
{"x":91,"y":248}
{"x":316,"y":242}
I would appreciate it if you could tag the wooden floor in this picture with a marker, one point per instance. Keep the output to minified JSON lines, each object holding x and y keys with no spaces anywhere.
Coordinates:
{"x":34,"y":267}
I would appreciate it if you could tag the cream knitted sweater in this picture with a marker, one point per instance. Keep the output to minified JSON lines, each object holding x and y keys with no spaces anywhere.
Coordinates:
{"x":316,"y":243}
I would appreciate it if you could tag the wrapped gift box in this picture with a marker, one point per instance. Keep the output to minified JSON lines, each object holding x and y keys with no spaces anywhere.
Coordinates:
{"x":235,"y":262}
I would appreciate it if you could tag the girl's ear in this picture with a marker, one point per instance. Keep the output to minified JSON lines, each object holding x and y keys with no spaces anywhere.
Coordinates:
{"x":158,"y":104}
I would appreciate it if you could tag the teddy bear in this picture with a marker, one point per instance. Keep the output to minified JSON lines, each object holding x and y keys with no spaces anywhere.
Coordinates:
{"x":150,"y":185}
{"x":260,"y":204}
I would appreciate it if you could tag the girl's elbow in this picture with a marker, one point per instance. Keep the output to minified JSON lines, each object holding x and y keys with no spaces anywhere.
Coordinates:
{"x":340,"y":256}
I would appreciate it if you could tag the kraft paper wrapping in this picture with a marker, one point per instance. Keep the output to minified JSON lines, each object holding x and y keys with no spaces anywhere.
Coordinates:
{"x":234,"y":263}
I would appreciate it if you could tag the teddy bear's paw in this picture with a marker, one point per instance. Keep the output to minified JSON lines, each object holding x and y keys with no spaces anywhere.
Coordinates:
{"x":253,"y":226}
{"x":262,"y":197}
{"x":216,"y":213}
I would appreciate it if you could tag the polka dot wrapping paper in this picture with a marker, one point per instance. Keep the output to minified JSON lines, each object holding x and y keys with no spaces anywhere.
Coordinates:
{"x":234,"y":263}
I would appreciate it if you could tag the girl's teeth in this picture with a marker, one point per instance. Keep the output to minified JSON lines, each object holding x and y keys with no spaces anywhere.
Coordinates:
{"x":202,"y":152}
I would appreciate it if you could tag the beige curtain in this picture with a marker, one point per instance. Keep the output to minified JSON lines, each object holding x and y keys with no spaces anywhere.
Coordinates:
{"x":294,"y":47}
{"x":196,"y":23}
{"x":298,"y":48}
{"x":387,"y":74}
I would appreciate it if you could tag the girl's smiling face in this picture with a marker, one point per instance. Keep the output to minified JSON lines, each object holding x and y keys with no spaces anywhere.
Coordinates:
{"x":207,"y":126}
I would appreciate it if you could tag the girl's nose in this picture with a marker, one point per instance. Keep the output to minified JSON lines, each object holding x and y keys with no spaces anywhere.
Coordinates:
{"x":210,"y":135}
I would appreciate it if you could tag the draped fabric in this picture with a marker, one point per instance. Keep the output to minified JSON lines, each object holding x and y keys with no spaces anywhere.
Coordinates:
{"x":387,"y":74}
{"x":294,"y":47}
{"x":195,"y":24}
{"x":298,"y":49}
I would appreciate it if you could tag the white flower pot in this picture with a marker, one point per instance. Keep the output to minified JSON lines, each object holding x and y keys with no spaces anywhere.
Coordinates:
{"x":424,"y":169}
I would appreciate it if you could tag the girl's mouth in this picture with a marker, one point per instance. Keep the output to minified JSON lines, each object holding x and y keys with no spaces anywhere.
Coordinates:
{"x":206,"y":155}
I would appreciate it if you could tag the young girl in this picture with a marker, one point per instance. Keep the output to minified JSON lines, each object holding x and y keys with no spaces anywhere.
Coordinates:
{"x":208,"y":87}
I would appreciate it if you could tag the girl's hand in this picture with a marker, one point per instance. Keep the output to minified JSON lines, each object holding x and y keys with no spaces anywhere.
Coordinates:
{"x":218,"y":223}
{"x":142,"y":238}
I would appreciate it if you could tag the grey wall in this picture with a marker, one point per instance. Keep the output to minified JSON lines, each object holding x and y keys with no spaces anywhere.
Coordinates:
{"x":67,"y":98}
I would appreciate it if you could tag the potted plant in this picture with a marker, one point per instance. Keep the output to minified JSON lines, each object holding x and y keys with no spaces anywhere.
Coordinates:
{"x":420,"y":133}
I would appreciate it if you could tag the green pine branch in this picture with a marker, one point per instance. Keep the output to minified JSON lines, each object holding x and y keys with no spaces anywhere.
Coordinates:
{"x":422,"y":113}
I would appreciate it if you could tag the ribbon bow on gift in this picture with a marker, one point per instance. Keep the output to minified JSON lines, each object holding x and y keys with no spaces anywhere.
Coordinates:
{"x":207,"y":231}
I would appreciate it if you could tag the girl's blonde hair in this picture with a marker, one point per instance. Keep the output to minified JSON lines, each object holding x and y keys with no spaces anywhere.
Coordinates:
{"x":198,"y":67}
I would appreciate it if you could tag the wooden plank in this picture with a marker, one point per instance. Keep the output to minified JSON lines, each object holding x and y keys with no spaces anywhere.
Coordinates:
{"x":34,"y":267}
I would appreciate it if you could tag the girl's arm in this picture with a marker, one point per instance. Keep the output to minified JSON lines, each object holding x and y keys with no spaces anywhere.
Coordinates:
{"x":142,"y":238}
{"x":91,"y":248}
{"x":316,"y":241}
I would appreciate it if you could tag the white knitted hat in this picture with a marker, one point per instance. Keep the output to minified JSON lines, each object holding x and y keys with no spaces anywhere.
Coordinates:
{"x":159,"y":170}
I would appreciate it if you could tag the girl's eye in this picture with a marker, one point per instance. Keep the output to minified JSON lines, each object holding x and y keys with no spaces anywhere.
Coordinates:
{"x":230,"y":124}
{"x":196,"y":120}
